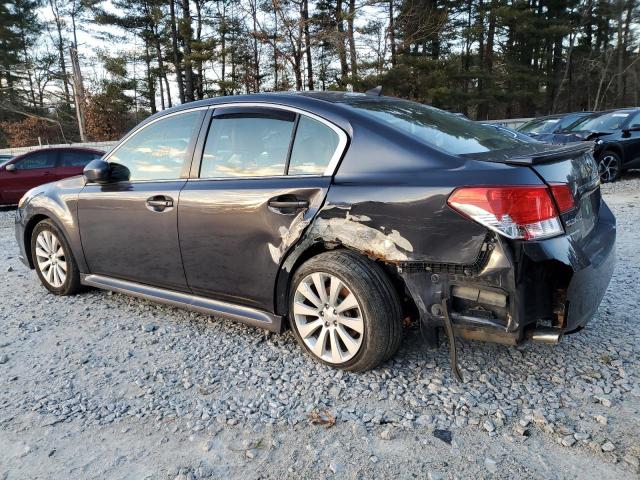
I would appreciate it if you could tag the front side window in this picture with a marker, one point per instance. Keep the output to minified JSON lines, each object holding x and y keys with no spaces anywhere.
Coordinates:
{"x":448,"y":132}
{"x":158,"y":151}
{"x":313,"y":147}
{"x":246,"y":145}
{"x":38,"y":160}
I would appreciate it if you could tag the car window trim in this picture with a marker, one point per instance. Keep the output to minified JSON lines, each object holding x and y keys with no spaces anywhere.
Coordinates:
{"x":330,"y":170}
{"x":186,"y":168}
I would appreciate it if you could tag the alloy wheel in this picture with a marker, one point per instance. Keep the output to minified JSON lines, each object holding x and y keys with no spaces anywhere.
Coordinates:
{"x":328,"y":317}
{"x":608,"y":168}
{"x":51,"y":259}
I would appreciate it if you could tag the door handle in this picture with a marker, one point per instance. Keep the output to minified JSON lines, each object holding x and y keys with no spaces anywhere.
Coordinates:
{"x":159,"y":203}
{"x":286,"y":204}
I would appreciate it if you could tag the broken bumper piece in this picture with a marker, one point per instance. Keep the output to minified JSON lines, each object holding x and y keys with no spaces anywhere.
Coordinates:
{"x":519,"y":290}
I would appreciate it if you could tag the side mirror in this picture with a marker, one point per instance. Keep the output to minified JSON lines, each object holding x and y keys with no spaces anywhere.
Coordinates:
{"x":97,"y":171}
{"x":10,"y":168}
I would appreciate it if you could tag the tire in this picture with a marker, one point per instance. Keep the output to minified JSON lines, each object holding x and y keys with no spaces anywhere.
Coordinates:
{"x":609,"y":166}
{"x":374,"y":325}
{"x":47,"y":238}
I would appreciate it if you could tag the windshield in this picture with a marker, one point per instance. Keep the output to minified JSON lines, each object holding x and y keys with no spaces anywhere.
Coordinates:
{"x":446,"y":131}
{"x":606,"y":122}
{"x":540,"y":125}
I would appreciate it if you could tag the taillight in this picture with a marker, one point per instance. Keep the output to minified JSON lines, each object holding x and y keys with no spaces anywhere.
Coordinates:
{"x":563,"y":195}
{"x":518,"y":212}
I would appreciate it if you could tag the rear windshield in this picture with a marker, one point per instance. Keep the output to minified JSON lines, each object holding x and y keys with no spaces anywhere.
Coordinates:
{"x":448,"y":132}
{"x":606,"y":122}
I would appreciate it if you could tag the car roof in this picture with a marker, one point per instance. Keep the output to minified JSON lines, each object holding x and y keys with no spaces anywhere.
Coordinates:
{"x":57,"y":149}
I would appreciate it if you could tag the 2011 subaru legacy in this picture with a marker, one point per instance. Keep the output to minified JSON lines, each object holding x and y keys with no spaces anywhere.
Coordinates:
{"x":338,"y":215}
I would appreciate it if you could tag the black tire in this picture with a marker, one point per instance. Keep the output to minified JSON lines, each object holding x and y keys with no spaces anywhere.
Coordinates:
{"x":71,"y":284}
{"x":609,"y":166}
{"x":378,"y":299}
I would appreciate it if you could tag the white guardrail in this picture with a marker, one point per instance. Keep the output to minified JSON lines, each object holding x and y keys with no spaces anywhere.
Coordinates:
{"x":106,"y":146}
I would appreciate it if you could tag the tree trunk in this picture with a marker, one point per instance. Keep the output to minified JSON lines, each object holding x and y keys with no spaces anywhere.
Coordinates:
{"x":352,"y":41}
{"x":151,"y":88}
{"x":275,"y":45}
{"x":342,"y":53}
{"x":60,"y":46}
{"x":392,"y":34}
{"x":176,"y":51}
{"x":620,"y":52}
{"x":256,"y":59}
{"x":307,"y":42}
{"x":186,"y":33}
{"x":163,"y":72}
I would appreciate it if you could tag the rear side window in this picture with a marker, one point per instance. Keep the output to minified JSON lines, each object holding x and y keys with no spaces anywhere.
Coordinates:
{"x":445,"y":131}
{"x":246,"y":146}
{"x":313,"y":147}
{"x":159,"y":150}
{"x":45,"y":159}
{"x":77,"y":158}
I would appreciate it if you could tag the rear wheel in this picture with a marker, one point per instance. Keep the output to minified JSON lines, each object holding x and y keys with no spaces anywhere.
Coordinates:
{"x":53,"y":260}
{"x":609,"y":167}
{"x":345,"y":312}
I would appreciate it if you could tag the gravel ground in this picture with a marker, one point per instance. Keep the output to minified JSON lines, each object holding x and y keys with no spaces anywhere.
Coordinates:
{"x":102,"y":385}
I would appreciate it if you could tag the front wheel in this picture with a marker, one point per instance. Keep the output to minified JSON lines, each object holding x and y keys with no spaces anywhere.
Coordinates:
{"x":344,"y":311}
{"x":53,"y":260}
{"x":609,"y":167}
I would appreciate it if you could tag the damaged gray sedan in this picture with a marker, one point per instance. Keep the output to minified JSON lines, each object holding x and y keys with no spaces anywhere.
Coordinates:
{"x":337,"y":215}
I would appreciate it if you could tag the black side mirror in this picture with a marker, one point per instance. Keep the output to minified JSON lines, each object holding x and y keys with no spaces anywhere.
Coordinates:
{"x":97,"y":171}
{"x":10,"y":168}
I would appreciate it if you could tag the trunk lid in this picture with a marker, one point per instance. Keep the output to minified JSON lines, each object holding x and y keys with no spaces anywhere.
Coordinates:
{"x":578,"y":170}
{"x":572,"y":164}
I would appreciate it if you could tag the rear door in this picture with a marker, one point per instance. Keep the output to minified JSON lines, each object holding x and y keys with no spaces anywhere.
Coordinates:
{"x":261,"y":175}
{"x":631,"y":142}
{"x":34,"y":169}
{"x":128,"y":226}
{"x":72,"y":162}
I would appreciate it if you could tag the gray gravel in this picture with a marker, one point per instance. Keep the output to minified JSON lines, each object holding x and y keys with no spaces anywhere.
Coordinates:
{"x":174,"y":394}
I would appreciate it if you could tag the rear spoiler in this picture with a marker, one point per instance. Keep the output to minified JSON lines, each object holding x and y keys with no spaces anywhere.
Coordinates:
{"x":564,"y":152}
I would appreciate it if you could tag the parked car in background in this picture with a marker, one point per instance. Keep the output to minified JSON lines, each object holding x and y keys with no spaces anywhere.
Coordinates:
{"x":22,"y":173}
{"x":542,"y":128}
{"x":336,"y":214}
{"x":616,"y":134}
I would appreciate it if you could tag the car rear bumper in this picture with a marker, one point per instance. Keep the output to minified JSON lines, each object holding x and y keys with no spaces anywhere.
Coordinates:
{"x":592,"y":263}
{"x":516,"y":289}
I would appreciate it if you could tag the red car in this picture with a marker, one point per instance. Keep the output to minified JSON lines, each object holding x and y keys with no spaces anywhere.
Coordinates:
{"x":34,"y":168}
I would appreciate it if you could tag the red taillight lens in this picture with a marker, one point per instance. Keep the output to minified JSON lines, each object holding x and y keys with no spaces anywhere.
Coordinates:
{"x":524,"y":212}
{"x":563,"y":195}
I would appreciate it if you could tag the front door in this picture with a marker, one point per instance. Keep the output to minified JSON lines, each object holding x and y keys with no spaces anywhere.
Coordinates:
{"x":128,"y":226}
{"x":264,"y":173}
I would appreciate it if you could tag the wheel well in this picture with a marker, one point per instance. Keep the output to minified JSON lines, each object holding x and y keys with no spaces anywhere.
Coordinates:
{"x":409,"y":307}
{"x":28,"y":231}
{"x":615,"y":149}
